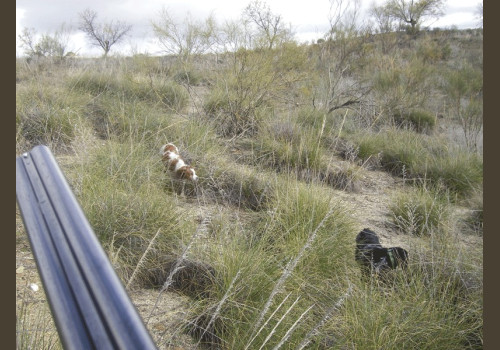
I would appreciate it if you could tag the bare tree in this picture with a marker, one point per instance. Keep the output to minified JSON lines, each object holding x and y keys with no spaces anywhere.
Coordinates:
{"x":384,"y":26}
{"x":414,"y":12}
{"x":270,"y":26}
{"x":186,"y":38}
{"x":47,"y":45}
{"x":383,"y":23}
{"x":339,"y":88}
{"x":104,"y":35}
{"x":464,"y":91}
{"x":234,"y":34}
{"x":27,"y":39}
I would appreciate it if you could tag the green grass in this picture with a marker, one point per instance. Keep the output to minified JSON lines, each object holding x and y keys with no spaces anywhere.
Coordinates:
{"x":420,"y":212}
{"x":303,"y":241}
{"x":47,"y":115}
{"x":474,"y":220}
{"x":286,"y":146}
{"x":423,"y":159}
{"x":412,"y":315}
{"x":270,"y":216}
{"x":420,"y":121}
{"x":120,"y":189}
{"x":35,"y":328}
{"x":165,"y":93}
{"x":436,"y":304}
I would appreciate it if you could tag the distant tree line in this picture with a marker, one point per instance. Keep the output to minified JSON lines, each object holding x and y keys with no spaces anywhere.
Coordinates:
{"x":258,"y":27}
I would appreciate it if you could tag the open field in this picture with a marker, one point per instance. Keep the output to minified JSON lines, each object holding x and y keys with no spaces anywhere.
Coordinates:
{"x":298,"y":148}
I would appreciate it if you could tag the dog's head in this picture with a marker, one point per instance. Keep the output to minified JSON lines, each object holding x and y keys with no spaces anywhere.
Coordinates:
{"x":397,"y":257}
{"x":187,"y":172}
{"x":367,"y":236}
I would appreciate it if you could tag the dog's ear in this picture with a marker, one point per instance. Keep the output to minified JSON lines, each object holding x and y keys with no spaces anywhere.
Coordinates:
{"x":401,"y":254}
{"x":185,"y":172}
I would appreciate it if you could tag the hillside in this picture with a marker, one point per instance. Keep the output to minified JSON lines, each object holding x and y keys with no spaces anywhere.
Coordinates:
{"x":297,"y":148}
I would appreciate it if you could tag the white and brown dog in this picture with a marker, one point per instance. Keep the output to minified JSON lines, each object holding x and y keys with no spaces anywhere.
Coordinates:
{"x":174,"y":163}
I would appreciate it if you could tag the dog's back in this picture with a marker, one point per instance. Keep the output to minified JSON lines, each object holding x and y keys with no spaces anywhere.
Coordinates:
{"x":372,"y":256}
{"x":174,"y":163}
{"x":399,"y":257}
{"x":367,"y":236}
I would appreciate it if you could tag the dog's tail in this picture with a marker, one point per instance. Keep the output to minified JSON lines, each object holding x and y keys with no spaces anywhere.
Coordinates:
{"x":169,"y":147}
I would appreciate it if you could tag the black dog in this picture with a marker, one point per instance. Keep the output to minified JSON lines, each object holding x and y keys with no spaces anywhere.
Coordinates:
{"x":375,"y":258}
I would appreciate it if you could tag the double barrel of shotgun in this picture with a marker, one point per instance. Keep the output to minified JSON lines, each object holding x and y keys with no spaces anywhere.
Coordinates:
{"x":88,"y":302}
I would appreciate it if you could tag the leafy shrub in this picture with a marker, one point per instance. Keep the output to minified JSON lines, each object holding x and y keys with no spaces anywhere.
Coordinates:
{"x":404,"y":83}
{"x":432,"y":51}
{"x":464,"y":92}
{"x":232,"y":112}
{"x":248,"y":87}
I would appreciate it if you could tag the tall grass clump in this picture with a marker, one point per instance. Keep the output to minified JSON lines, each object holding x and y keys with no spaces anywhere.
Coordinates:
{"x":474,"y":219}
{"x":118,"y":117}
{"x":418,"y":120}
{"x":420,"y":212}
{"x":221,"y":179}
{"x":166,"y":93}
{"x":195,"y":137}
{"x":286,"y":146}
{"x":425,"y":310}
{"x":35,"y":328}
{"x":317,"y":119}
{"x":188,"y":76}
{"x":47,"y":115}
{"x":278,"y":280}
{"x":298,"y":209}
{"x":459,"y":171}
{"x":120,"y":188}
{"x":397,"y":150}
{"x":422,"y":159}
{"x":226,"y":183}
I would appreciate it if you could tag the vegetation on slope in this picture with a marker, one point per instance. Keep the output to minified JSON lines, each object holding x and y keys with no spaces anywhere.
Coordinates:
{"x":267,"y":241}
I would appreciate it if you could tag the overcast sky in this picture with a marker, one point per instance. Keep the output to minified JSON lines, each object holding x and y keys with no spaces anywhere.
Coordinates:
{"x":309,"y":18}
